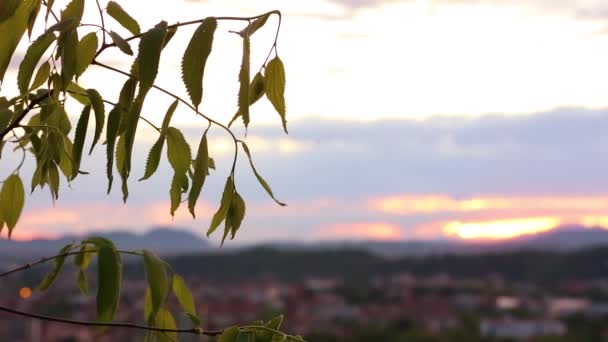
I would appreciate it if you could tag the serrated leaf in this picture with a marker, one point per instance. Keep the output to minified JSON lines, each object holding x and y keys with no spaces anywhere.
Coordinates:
{"x":111,"y":134}
{"x":65,"y":164}
{"x":82,"y":282}
{"x":32,"y":18}
{"x":80,"y":135}
{"x":221,"y":213}
{"x":168,"y":116}
{"x":150,"y":46}
{"x":31,"y":59}
{"x":42,"y":75}
{"x":275,"y":87}
{"x":243,"y":99}
{"x":120,"y":162}
{"x":121,"y":43}
{"x":229,"y":335}
{"x":69,"y":55}
{"x":259,"y":177}
{"x":78,"y":93}
{"x":11,"y":31}
{"x":156,"y":274}
{"x":74,"y":9}
{"x":12,"y":198}
{"x":256,"y":91}
{"x":85,"y":52}
{"x":195,"y":58}
{"x":53,"y":179}
{"x":100,"y":115}
{"x":201,"y":168}
{"x":254,"y":25}
{"x":109,"y":275}
{"x":175,"y":192}
{"x":184,"y":297}
{"x":178,"y":150}
{"x":154,"y":158}
{"x":235,"y":215}
{"x":123,"y":18}
{"x":54,"y":272}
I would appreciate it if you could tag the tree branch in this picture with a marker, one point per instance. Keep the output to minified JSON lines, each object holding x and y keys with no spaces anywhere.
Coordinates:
{"x":23,"y":114}
{"x":195,"y":331}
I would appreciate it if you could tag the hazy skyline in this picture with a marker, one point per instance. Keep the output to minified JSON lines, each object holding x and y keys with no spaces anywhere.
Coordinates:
{"x":408,"y":120}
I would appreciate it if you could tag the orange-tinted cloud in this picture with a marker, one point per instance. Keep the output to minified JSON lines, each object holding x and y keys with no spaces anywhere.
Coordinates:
{"x":360,"y":231}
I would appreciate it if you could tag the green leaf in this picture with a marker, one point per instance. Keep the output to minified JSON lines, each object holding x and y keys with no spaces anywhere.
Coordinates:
{"x":108,"y":280}
{"x":168,"y":116}
{"x":100,"y":115}
{"x":178,"y":150}
{"x":65,"y":164}
{"x":111,"y":134}
{"x":78,"y":93}
{"x":53,"y":179}
{"x":81,"y":131}
{"x":63,"y":25}
{"x":99,"y":242}
{"x":156,"y":275}
{"x":254,"y":26}
{"x":259,"y":177}
{"x":201,"y":168}
{"x":42,"y":75}
{"x":83,"y":259}
{"x":265,"y":335}
{"x":123,"y":18}
{"x":184,"y":297}
{"x":121,"y":43}
{"x":120,"y":162}
{"x":12,"y":198}
{"x":7,"y":9}
{"x":74,"y":9}
{"x":221,"y":213}
{"x":69,"y":55}
{"x":164,"y":319}
{"x":243,"y":100}
{"x":256,"y":91}
{"x":154,"y":157}
{"x":195,"y":58}
{"x":32,"y":18}
{"x":11,"y":31}
{"x":148,"y":306}
{"x":175,"y":191}
{"x":31,"y":59}
{"x":54,"y":272}
{"x":85,"y":52}
{"x":229,"y":335}
{"x":235,"y":215}
{"x":82,"y":282}
{"x":275,"y":87}
{"x":150,"y":47}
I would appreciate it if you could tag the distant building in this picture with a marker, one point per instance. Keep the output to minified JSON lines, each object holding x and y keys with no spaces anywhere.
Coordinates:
{"x":521,"y":329}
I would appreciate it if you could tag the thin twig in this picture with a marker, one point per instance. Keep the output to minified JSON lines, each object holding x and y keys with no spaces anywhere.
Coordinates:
{"x":23,"y":114}
{"x":103,"y":25}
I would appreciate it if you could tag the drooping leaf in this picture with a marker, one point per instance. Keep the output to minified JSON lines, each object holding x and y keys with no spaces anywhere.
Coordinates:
{"x":12,"y":198}
{"x":74,"y":9}
{"x":184,"y":296}
{"x":53,"y":179}
{"x":11,"y":31}
{"x":31,"y":59}
{"x":254,"y":26}
{"x":32,"y":18}
{"x":235,"y":215}
{"x":168,"y":117}
{"x":120,"y":162}
{"x":229,"y":335}
{"x":111,"y":134}
{"x":275,"y":87}
{"x":81,"y":131}
{"x":148,"y":57}
{"x":164,"y":319}
{"x":195,"y":58}
{"x":156,"y":275}
{"x":154,"y":157}
{"x":100,"y":115}
{"x":54,"y":272}
{"x":123,"y":18}
{"x":266,"y":336}
{"x":259,"y":177}
{"x":201,"y":168}
{"x":256,"y":91}
{"x":82,"y":282}
{"x":63,"y":25}
{"x":243,"y":99}
{"x":175,"y":192}
{"x":221,"y":213}
{"x":69,"y":55}
{"x":85,"y":52}
{"x":42,"y":75}
{"x":78,"y":93}
{"x":109,"y":274}
{"x":83,"y":259}
{"x":121,"y":43}
{"x":178,"y":150}
{"x":99,"y":242}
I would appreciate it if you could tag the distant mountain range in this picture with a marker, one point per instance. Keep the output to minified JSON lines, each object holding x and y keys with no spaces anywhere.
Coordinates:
{"x":163,"y":241}
{"x":167,"y":241}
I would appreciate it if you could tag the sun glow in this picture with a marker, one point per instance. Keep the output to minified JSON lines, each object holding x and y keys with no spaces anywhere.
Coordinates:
{"x":500,"y":229}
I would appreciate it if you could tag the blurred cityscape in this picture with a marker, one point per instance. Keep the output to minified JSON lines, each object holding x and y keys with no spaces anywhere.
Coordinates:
{"x":348,"y":295}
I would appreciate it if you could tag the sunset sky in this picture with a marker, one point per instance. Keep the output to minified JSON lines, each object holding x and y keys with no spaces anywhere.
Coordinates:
{"x":408,"y":120}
